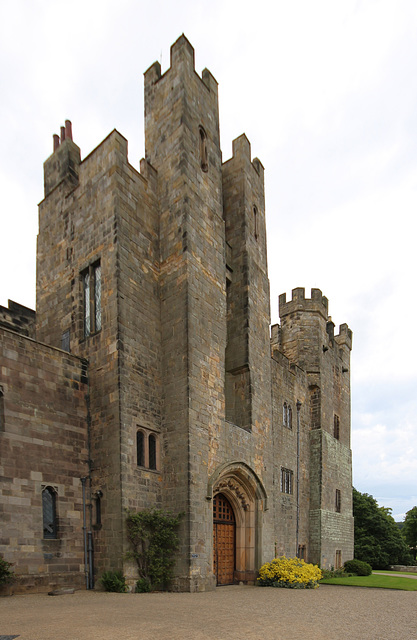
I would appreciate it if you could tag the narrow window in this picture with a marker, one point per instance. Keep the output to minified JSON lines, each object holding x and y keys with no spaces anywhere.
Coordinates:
{"x":49,"y":513}
{"x":338,"y":559}
{"x":140,"y":449}
{"x":338,"y":504}
{"x":286,"y":480}
{"x":203,"y":149}
{"x":91,"y":279}
{"x":2,"y":426}
{"x":65,"y":341}
{"x":255,"y":221}
{"x":284,"y":414}
{"x":289,"y":420}
{"x":336,"y":428}
{"x":152,"y":451}
{"x":97,"y":296}
{"x":301,"y":551}
{"x":87,"y":305}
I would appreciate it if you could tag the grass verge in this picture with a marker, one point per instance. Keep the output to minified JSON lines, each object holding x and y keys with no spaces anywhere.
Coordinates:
{"x":375,"y":581}
{"x":397,"y":573}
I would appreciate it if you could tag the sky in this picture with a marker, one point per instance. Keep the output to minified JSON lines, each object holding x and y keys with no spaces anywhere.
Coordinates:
{"x":326,"y":92}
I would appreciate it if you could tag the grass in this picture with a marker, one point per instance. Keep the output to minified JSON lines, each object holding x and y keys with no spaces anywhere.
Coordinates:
{"x":397,"y":573}
{"x":376,"y":581}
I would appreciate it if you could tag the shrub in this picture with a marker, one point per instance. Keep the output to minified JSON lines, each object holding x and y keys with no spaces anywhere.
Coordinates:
{"x":290,"y":573}
{"x":6,"y":572}
{"x":334,"y":573}
{"x":153,"y":537}
{"x":143,"y":585}
{"x":114,"y":581}
{"x":358,"y":567}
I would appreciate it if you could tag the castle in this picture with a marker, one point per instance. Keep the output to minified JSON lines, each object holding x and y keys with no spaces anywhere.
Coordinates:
{"x":149,"y":376}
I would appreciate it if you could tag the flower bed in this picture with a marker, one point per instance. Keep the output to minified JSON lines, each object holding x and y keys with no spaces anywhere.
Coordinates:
{"x":290,"y":573}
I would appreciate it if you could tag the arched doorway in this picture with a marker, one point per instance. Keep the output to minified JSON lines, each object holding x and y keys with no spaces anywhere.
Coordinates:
{"x":223,"y":540}
{"x":238,"y":485}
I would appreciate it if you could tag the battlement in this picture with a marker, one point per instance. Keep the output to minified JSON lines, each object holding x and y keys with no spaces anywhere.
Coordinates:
{"x":318,"y":303}
{"x":241,"y":153}
{"x":344,"y":337}
{"x":182,"y":58}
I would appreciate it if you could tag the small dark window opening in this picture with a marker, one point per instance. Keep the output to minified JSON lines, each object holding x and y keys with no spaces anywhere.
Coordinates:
{"x":338,"y":501}
{"x":140,"y":449}
{"x":152,"y":452}
{"x":255,"y":219}
{"x":286,"y":480}
{"x":301,"y":552}
{"x":289,"y":417}
{"x":336,"y":427}
{"x":49,"y":513}
{"x":203,"y":149}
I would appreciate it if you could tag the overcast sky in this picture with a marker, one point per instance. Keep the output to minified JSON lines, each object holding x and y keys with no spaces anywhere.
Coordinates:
{"x":326,"y":92}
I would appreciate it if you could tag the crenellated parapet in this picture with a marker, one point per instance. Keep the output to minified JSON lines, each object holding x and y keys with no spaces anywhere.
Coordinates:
{"x":318,"y":303}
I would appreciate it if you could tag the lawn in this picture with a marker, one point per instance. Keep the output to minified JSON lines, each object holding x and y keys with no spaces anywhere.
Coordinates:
{"x":377,"y":581}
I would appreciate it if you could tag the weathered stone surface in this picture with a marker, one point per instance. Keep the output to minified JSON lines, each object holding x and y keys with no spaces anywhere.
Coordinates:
{"x":176,"y":392}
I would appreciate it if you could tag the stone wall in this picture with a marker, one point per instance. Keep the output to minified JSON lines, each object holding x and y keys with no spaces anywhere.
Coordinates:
{"x":43,"y":444}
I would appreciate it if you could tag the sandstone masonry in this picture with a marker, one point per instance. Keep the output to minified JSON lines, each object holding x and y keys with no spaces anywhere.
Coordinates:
{"x":150,"y":376}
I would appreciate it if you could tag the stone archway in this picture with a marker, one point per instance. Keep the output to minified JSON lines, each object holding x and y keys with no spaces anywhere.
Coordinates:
{"x":242,"y":488}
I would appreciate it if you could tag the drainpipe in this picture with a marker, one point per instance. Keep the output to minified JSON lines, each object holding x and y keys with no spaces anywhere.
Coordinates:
{"x":298,"y":478}
{"x":83,"y":481}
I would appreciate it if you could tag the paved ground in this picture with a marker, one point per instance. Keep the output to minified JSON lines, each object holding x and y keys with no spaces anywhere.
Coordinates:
{"x":238,"y":612}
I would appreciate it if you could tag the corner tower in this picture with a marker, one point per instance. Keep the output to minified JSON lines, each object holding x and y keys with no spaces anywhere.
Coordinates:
{"x":308,"y":340}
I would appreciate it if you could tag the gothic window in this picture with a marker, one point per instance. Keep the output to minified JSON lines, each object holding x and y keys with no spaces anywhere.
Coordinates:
{"x":147,"y":449}
{"x":49,"y":513}
{"x":140,"y":449}
{"x":338,"y":502}
{"x":152,"y":451}
{"x":336,"y":427}
{"x":91,"y":279}
{"x":203,"y":149}
{"x":286,"y":480}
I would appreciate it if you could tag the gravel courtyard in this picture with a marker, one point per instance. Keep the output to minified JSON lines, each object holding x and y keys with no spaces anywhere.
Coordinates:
{"x":249,"y":613}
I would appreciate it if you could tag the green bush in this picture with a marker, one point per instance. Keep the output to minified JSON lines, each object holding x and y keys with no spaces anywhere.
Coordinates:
{"x":333,"y":573}
{"x":6,"y":573}
{"x":290,"y":573}
{"x":143,"y":585}
{"x":114,"y":581}
{"x":153,"y":537}
{"x":358,"y":567}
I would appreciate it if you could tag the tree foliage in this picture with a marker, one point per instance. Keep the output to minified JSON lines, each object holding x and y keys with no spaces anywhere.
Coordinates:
{"x":409,"y":530}
{"x":153,"y":538}
{"x":378,"y":540}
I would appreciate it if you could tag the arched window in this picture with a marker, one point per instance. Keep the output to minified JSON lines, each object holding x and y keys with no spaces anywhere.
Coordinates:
{"x":203,"y":149}
{"x":140,"y":449}
{"x":152,"y":451}
{"x":49,"y":513}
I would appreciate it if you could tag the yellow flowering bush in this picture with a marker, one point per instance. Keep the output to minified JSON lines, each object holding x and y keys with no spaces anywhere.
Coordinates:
{"x":291,"y":573}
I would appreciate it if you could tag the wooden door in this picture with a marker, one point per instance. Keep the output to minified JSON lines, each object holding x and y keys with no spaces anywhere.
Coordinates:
{"x":223,"y":540}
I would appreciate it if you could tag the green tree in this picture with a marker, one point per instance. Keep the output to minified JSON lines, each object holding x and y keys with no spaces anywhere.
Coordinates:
{"x":378,"y":540}
{"x":409,"y":530}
